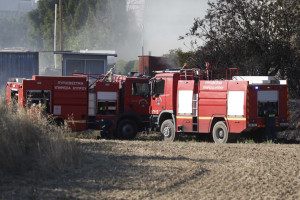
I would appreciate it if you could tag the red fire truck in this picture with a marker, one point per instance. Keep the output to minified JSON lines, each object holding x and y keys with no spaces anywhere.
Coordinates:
{"x":61,"y":96}
{"x":196,"y":101}
{"x":82,"y":101}
{"x":122,"y":99}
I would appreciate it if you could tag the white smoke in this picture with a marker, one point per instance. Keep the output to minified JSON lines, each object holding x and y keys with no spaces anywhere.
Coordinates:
{"x":165,"y":20}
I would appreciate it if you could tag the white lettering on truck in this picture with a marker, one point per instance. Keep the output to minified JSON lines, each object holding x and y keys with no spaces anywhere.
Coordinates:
{"x":69,"y":83}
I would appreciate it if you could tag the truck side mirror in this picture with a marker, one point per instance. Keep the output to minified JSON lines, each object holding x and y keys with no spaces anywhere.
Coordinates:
{"x":154,"y":90}
{"x":152,"y":86}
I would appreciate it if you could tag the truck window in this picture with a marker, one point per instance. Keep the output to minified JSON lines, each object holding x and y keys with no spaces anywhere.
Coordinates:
{"x":140,"y":89}
{"x":264,"y":98}
{"x":159,"y":87}
{"x":263,"y":107}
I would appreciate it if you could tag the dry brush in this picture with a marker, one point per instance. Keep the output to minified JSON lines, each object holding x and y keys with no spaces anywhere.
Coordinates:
{"x":33,"y":144}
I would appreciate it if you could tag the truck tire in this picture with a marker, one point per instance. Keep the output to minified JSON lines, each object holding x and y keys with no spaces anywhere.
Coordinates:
{"x":168,"y":131}
{"x":127,"y":129}
{"x":220,"y":132}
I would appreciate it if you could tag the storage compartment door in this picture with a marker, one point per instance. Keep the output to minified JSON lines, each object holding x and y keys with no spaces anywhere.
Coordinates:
{"x":185,"y":98}
{"x":235,"y":104}
{"x":185,"y":110}
{"x":92,"y":104}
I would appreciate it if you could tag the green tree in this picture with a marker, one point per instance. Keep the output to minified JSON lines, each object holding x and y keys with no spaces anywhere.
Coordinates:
{"x":123,"y":67}
{"x":120,"y":67}
{"x":177,"y":58}
{"x":87,"y":24}
{"x":254,"y":35}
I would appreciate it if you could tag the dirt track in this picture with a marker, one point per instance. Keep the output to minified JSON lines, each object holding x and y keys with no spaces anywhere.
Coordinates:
{"x":180,"y":170}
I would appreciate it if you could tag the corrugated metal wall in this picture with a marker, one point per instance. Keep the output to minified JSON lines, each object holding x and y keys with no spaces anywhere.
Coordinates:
{"x":18,"y":65}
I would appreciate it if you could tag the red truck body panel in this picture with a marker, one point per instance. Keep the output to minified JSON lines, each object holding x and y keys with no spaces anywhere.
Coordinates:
{"x":66,"y":97}
{"x":255,"y":117}
{"x":212,"y":102}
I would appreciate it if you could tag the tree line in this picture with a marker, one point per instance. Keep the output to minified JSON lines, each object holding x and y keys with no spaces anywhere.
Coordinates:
{"x":260,"y":37}
{"x":87,"y":24}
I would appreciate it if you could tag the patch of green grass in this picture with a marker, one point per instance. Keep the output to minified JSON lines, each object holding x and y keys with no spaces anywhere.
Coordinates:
{"x":269,"y":142}
{"x":246,"y":141}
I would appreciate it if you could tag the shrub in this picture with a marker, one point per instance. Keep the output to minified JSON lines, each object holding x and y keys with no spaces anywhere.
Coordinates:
{"x":28,"y":144}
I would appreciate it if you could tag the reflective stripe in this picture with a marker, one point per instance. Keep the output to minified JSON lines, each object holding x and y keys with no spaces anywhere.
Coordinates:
{"x":229,"y":118}
{"x":271,"y":115}
{"x":184,"y":117}
{"x":205,"y":118}
{"x":236,"y":118}
{"x":75,"y":121}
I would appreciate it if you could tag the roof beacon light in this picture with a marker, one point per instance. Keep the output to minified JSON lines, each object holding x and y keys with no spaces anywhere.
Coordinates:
{"x":256,"y":87}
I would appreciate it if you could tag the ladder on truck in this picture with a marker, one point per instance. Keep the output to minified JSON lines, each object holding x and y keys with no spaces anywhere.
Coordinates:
{"x":195,"y":112}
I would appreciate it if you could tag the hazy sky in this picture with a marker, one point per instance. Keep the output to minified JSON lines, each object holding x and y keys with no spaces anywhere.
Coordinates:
{"x":166,"y":20}
{"x":163,"y":21}
{"x":17,"y":5}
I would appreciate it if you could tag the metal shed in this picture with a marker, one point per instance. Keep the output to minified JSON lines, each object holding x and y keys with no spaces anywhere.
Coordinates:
{"x":87,"y":62}
{"x":18,"y":64}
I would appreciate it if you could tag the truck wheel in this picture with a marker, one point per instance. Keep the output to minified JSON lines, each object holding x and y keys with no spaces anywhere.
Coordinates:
{"x":127,"y":129}
{"x":168,"y":131}
{"x":220,"y":132}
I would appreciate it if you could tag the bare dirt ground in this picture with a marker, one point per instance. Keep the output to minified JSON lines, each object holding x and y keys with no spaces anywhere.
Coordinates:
{"x":159,"y":170}
{"x":152,"y":169}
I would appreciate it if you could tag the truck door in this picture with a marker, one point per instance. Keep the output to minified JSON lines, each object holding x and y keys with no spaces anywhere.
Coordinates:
{"x":12,"y":95}
{"x":187,"y":109}
{"x":158,"y":103}
{"x":13,"y":91}
{"x":135,"y":96}
{"x":236,"y":106}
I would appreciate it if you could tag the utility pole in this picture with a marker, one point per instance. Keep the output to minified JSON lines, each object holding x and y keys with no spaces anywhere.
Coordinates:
{"x":61,"y":29}
{"x":54,"y":48}
{"x":143,"y":69}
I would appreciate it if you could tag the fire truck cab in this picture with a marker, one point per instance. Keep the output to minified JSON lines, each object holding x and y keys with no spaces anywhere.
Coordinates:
{"x":196,"y":101}
{"x":122,"y":99}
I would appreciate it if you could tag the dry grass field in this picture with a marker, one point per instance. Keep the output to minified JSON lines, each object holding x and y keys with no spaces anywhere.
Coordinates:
{"x":146,"y":168}
{"x":159,"y":170}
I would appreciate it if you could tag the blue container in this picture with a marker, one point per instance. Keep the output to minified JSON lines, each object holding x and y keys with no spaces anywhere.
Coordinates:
{"x":15,"y":64}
